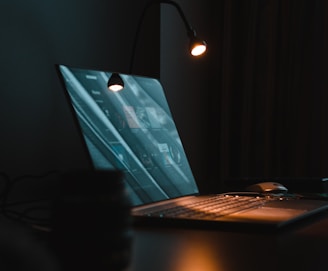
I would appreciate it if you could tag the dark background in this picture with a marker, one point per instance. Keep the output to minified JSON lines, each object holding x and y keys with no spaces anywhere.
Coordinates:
{"x":254,"y":106}
{"x":37,"y":130}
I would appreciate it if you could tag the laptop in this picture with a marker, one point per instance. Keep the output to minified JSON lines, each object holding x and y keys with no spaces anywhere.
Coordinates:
{"x":133,"y":131}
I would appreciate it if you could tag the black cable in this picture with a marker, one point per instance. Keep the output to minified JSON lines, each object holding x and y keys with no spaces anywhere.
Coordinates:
{"x":23,"y":217}
{"x":30,"y":176}
{"x":5,"y":192}
{"x":15,"y":203}
{"x":9,"y":187}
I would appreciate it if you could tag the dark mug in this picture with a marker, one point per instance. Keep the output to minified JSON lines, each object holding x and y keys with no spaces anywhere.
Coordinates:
{"x":91,"y":222}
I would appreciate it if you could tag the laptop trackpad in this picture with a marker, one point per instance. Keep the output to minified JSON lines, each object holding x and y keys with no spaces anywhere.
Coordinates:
{"x":267,"y":214}
{"x":278,"y":211}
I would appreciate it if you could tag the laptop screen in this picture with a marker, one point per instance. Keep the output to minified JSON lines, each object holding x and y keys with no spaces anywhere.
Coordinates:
{"x":131,"y":130}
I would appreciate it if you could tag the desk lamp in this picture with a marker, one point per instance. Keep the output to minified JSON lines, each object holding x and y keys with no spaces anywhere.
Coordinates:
{"x":197,"y":46}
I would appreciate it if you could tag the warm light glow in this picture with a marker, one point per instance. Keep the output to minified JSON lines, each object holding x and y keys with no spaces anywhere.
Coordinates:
{"x":198,"y":50}
{"x":115,"y":88}
{"x":196,"y":254}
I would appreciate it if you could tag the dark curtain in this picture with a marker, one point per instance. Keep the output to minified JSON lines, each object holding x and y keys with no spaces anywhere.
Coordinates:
{"x":270,"y":108}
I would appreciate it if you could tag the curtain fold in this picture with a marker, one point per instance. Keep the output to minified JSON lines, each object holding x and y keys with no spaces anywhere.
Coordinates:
{"x":270,"y":113}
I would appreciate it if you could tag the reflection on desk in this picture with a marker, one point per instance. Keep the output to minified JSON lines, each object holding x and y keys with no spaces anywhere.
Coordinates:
{"x":302,"y":247}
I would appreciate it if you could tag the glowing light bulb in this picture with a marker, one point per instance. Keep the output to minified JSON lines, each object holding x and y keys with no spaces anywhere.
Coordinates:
{"x":115,"y":88}
{"x":198,"y":50}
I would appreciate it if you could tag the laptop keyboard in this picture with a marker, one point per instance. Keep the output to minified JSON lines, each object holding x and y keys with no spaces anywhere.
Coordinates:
{"x":211,"y":208}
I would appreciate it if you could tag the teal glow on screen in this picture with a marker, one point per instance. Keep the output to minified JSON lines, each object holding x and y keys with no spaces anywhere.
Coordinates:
{"x":132,"y":130}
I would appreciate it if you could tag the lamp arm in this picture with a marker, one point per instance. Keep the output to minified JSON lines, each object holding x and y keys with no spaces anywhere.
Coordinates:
{"x":190,"y":31}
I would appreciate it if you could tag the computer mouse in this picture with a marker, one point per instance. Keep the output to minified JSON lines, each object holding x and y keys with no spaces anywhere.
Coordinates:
{"x":267,"y":187}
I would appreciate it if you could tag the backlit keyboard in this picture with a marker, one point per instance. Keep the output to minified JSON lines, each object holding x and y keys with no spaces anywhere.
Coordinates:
{"x":212,"y":207}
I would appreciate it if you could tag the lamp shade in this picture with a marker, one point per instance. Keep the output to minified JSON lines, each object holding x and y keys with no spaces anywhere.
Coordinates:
{"x":115,"y":82}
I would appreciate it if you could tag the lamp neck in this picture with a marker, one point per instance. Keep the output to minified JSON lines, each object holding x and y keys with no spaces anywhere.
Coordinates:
{"x":190,"y":32}
{"x":189,"y":29}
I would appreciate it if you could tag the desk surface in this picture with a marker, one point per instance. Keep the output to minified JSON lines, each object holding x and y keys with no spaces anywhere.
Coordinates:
{"x":301,"y":247}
